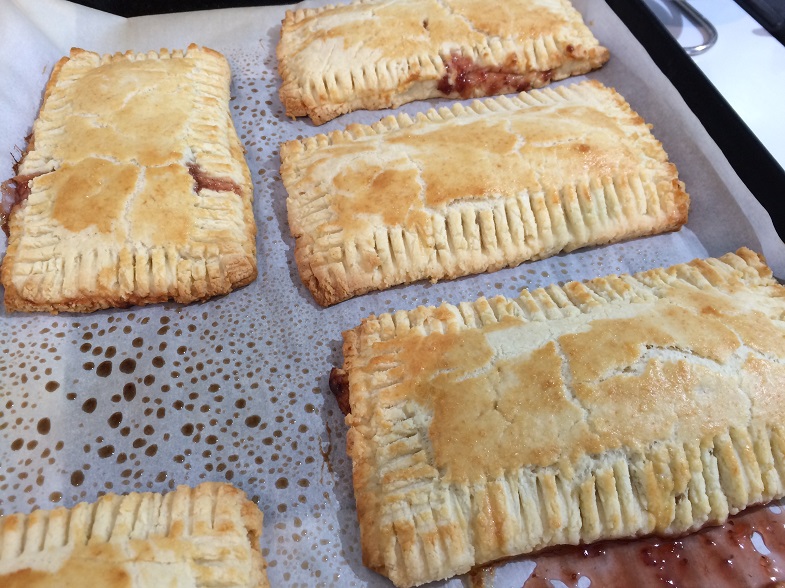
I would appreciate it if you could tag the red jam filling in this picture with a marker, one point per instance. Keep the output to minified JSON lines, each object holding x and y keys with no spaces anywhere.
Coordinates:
{"x":339,"y":386}
{"x":205,"y":182}
{"x":467,"y":79}
{"x":720,"y":557}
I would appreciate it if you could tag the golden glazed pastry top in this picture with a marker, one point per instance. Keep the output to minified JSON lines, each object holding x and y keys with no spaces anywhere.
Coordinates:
{"x":426,"y":167}
{"x":125,"y":111}
{"x":618,"y":407}
{"x":138,"y":187}
{"x":386,"y":53}
{"x":421,"y":26}
{"x":189,"y":538}
{"x":466,"y":190}
{"x":514,"y":392}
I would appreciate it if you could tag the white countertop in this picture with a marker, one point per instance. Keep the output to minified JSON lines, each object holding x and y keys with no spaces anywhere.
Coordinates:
{"x":747,"y":65}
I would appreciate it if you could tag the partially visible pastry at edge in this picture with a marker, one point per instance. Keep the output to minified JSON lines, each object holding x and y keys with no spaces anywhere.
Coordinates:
{"x":617,"y":407}
{"x":190,"y":538}
{"x":471,"y":189}
{"x":133,"y":188}
{"x":381,"y":54}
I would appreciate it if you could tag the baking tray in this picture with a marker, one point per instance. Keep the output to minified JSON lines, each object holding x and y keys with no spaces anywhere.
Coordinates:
{"x":235,"y":389}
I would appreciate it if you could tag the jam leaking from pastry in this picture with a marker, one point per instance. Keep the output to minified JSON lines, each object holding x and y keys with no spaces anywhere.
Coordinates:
{"x":339,"y":386}
{"x":12,"y":196}
{"x":722,"y":557}
{"x":16,"y":190}
{"x":467,"y":79}
{"x":206,"y":182}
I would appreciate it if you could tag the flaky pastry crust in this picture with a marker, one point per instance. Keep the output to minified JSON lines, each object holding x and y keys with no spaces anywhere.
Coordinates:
{"x":138,"y":187}
{"x":618,"y":407}
{"x":472,"y":189}
{"x":189,"y":538}
{"x":381,"y":54}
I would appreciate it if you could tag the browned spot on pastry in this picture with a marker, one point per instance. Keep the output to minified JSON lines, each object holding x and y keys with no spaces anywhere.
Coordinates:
{"x":466,"y":78}
{"x":339,"y":386}
{"x":471,"y":148}
{"x":521,"y":146}
{"x":206,"y":182}
{"x":520,"y":20}
{"x":91,"y":192}
{"x":390,"y":193}
{"x":489,"y":441}
{"x":626,"y":339}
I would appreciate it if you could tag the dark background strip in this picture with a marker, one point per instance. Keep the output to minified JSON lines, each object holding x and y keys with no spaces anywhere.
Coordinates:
{"x":753,"y":163}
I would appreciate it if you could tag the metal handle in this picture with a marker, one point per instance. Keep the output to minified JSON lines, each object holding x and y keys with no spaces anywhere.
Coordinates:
{"x":706,"y":28}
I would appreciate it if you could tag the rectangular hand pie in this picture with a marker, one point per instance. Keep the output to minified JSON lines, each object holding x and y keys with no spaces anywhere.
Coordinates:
{"x":472,"y":189}
{"x":133,"y":189}
{"x":373,"y":55}
{"x":619,"y":407}
{"x":189,"y":538}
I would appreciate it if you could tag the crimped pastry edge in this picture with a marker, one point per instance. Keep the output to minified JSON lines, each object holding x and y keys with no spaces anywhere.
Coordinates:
{"x":331,"y":282}
{"x":114,"y":517}
{"x":239,"y":269}
{"x":733,"y":270}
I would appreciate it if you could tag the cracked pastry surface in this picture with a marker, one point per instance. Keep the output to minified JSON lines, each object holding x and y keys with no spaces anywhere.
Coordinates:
{"x":618,"y":407}
{"x":134,"y":187}
{"x":466,"y":190}
{"x":381,"y":54}
{"x":188,"y":538}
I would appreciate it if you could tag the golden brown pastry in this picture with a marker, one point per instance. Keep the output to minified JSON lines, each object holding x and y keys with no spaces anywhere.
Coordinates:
{"x":381,"y":54}
{"x":189,"y":538}
{"x":467,"y":190}
{"x":133,"y":189}
{"x":618,"y":407}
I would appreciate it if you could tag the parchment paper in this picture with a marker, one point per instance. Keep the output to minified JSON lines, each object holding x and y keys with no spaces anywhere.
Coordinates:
{"x":236,"y":388}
